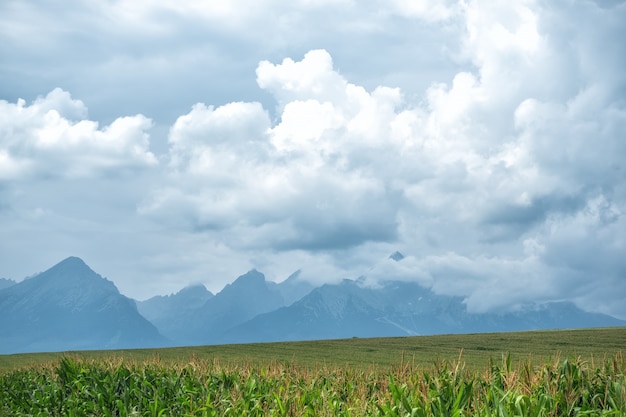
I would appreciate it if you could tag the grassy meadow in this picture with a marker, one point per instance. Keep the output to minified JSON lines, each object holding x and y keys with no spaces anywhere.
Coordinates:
{"x":546,"y":373}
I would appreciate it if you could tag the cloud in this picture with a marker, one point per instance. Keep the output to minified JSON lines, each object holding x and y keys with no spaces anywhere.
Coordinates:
{"x":312,"y":78}
{"x":475,"y":175}
{"x":52,"y":138}
{"x":172,"y":51}
{"x":484,"y":141}
{"x":429,"y":10}
{"x":294,"y":185}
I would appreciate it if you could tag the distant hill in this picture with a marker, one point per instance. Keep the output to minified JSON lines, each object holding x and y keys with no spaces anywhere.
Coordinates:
{"x":70,"y":307}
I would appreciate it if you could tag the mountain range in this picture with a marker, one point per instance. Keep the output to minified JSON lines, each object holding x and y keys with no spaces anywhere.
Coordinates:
{"x":70,"y":307}
{"x":350,"y":309}
{"x":185,"y":320}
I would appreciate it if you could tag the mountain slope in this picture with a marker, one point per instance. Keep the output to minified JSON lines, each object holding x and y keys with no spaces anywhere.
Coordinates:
{"x":195,"y":316}
{"x":203,"y":318}
{"x":70,"y":307}
{"x":328,"y":312}
{"x":294,"y":288}
{"x":6,"y":283}
{"x":248,"y":296}
{"x":172,"y":314}
{"x":398,"y":309}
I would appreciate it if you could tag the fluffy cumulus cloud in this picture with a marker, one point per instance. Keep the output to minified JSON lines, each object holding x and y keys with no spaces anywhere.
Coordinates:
{"x":52,"y":137}
{"x":66,"y":183}
{"x":489,"y":151}
{"x":500,"y":177}
{"x":294,"y":185}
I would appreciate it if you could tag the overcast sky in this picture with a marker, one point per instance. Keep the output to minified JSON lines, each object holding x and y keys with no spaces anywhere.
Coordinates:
{"x":171,"y":142}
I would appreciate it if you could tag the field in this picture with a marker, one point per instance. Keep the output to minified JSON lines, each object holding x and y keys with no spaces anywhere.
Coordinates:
{"x":574,"y":372}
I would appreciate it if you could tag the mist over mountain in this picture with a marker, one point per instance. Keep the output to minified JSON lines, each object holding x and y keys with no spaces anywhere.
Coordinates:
{"x":293,"y":288}
{"x":396,"y":308}
{"x":70,"y":307}
{"x":249,"y":310}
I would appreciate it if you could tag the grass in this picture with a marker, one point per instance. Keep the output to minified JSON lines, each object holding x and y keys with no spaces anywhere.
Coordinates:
{"x":555,"y":373}
{"x":476,"y":350}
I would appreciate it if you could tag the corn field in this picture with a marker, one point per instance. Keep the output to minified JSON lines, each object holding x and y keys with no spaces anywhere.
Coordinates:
{"x":75,"y":387}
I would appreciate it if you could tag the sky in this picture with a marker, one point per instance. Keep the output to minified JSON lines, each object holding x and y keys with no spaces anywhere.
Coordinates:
{"x":176,"y":142}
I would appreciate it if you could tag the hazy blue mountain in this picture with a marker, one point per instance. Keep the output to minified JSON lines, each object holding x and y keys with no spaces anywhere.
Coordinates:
{"x":293,"y":288}
{"x":172,"y":314}
{"x":248,"y":296}
{"x":6,"y":283}
{"x":396,"y":256}
{"x":195,"y":316}
{"x":327,"y":312}
{"x":70,"y":307}
{"x":191,"y":297}
{"x":349,"y":309}
{"x":205,"y":322}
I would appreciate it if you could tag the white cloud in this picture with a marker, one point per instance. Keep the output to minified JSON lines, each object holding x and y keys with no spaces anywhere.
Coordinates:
{"x":482,"y":139}
{"x":52,"y":138}
{"x":311,"y":78}
{"x":294,"y":185}
{"x":477,"y":163}
{"x":205,"y":131}
{"x":429,"y":10}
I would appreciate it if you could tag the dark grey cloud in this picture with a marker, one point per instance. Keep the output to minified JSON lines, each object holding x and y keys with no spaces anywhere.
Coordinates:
{"x":510,"y":221}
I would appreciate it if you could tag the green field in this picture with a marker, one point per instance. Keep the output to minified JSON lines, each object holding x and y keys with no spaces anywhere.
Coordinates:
{"x":475,"y":350}
{"x":547,"y":373}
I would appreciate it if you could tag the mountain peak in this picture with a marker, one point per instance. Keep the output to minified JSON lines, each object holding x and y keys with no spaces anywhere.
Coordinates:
{"x":70,"y":269}
{"x":71,"y":262}
{"x":293,"y":277}
{"x":70,"y":307}
{"x":396,"y":256}
{"x":251,"y":277}
{"x":195,"y":289}
{"x":294,"y":288}
{"x":197,"y":285}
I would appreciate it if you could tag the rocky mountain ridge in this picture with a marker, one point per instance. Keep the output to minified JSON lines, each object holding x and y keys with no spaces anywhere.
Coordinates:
{"x":70,"y":307}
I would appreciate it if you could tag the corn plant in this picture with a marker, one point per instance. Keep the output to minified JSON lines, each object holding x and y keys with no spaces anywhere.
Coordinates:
{"x":81,"y":388}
